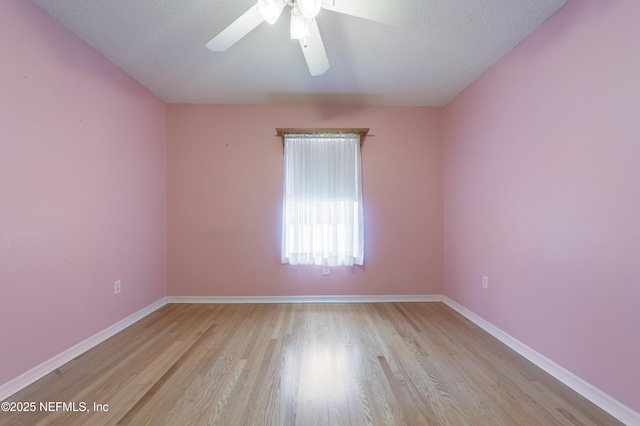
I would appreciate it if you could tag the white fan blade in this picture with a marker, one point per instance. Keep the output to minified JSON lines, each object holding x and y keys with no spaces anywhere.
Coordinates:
{"x":385,"y":11}
{"x":238,"y":29}
{"x":314,"y":52}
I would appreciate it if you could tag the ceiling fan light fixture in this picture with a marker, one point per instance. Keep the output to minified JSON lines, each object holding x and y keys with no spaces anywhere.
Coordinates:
{"x":309,"y":8}
{"x":270,"y":10}
{"x":299,"y":26}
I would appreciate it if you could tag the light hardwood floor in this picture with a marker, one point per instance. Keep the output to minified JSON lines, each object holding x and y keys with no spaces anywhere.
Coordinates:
{"x":305,"y":364}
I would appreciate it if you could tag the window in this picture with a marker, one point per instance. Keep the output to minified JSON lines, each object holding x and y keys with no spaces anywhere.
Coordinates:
{"x":322,"y":208}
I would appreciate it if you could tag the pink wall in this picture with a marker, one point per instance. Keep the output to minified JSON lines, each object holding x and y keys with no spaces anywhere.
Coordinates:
{"x":82,"y":191}
{"x":225,"y":192}
{"x":541,"y":172}
{"x":542,"y":194}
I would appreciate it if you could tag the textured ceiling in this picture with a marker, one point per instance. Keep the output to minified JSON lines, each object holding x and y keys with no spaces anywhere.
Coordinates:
{"x":426,"y":62}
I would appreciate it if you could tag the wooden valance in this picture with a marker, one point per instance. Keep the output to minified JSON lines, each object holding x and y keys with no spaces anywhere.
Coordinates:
{"x":281,"y":131}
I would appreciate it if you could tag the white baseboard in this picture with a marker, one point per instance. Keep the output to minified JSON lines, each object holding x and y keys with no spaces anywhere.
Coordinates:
{"x":615,"y":408}
{"x":24,"y":380}
{"x":596,"y":396}
{"x":304,"y":299}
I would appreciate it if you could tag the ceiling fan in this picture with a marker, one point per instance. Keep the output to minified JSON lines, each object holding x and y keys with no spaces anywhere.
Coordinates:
{"x":303,"y":25}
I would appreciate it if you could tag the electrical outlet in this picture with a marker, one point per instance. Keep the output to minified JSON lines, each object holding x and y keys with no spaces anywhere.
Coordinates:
{"x":485,"y":282}
{"x":325,"y":269}
{"x":116,"y":287}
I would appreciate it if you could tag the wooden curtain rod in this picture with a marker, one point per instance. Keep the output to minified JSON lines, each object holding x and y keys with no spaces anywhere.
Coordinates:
{"x":282,"y":131}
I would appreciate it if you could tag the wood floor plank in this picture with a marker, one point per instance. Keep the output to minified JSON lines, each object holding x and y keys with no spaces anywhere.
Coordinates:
{"x":304,"y":364}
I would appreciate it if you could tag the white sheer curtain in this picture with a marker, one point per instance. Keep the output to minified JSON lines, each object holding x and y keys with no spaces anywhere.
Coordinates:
{"x":322,"y":212}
